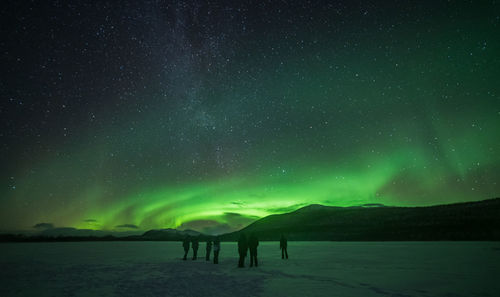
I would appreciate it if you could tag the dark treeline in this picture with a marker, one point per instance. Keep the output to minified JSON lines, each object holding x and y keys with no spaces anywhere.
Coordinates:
{"x":461,"y":221}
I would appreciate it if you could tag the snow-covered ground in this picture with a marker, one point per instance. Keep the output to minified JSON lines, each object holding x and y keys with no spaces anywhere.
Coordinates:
{"x":314,"y":269}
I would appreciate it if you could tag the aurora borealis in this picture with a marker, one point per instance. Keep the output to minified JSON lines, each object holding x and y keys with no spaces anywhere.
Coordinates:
{"x":209,"y":115}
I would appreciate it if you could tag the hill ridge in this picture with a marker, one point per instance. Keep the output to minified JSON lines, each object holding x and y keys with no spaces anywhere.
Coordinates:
{"x":475,"y":220}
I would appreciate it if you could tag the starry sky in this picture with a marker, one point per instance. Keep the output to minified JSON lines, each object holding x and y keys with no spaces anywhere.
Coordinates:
{"x":211,"y":114}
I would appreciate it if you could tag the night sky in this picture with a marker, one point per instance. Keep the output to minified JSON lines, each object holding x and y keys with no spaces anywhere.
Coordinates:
{"x":173,"y":114}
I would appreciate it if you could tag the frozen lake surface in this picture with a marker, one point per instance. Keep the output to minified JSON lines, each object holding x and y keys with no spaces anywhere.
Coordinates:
{"x":314,"y":269}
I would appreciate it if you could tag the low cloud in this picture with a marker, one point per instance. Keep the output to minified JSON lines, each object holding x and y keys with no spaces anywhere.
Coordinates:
{"x":285,"y":209}
{"x":210,"y":227}
{"x":128,"y":226}
{"x":197,"y":225}
{"x":238,"y":203}
{"x":238,"y":221}
{"x":90,"y":221}
{"x":373,"y":205}
{"x":43,"y":226}
{"x":232,"y":214}
{"x":218,"y":229}
{"x":228,"y":222}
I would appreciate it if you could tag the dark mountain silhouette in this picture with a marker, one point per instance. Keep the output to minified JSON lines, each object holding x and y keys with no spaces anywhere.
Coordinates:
{"x":461,"y":221}
{"x":73,"y":234}
{"x":370,"y":222}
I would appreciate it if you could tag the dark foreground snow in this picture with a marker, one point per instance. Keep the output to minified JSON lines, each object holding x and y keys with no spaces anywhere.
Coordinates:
{"x":314,"y":269}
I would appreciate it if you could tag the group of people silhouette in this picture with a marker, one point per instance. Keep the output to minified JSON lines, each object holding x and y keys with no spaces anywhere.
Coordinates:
{"x":195,"y":245}
{"x":244,"y":245}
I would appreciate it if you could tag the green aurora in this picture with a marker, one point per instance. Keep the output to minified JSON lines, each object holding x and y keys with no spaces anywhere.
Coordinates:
{"x":361,"y":108}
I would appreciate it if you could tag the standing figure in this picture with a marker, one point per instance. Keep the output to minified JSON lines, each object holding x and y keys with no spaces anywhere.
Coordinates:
{"x":253,"y":243}
{"x":283,"y":246}
{"x":185,"y":245}
{"x":209,"y":249}
{"x":242,"y":249}
{"x":216,"y":250}
{"x":195,"y":243}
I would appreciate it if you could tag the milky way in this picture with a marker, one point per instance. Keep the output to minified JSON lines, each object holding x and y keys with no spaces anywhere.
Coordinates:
{"x":162,"y":114}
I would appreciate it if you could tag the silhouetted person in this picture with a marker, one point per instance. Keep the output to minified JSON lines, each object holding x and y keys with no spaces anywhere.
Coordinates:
{"x":195,"y":243}
{"x":242,"y":249}
{"x":209,"y":249}
{"x":216,"y":250}
{"x":185,"y":245}
{"x":253,"y":243}
{"x":283,"y":246}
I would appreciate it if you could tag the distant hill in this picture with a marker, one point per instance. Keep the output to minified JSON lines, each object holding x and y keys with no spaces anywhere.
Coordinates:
{"x":169,"y":234}
{"x":72,"y":234}
{"x":461,"y":221}
{"x":370,"y":222}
